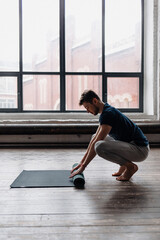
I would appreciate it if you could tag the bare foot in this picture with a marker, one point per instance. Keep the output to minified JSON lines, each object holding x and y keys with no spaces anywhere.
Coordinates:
{"x":131,"y":169}
{"x":120,"y":171}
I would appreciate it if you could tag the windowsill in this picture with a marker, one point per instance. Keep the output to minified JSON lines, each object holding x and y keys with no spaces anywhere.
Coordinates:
{"x":65,"y":118}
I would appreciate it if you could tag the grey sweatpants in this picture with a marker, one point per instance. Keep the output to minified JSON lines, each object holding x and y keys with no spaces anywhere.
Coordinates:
{"x":120,"y":152}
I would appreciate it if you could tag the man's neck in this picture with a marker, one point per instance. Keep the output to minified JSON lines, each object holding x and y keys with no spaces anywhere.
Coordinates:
{"x":101,"y":106}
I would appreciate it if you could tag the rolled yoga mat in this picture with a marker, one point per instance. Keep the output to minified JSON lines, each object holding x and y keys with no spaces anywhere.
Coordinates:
{"x":78,"y":179}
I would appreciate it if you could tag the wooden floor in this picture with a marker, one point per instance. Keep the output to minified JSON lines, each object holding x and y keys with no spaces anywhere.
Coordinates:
{"x":105,"y":209}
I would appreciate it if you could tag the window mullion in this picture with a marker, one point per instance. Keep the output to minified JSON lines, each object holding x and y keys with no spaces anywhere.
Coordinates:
{"x":62,"y":55}
{"x":20,"y":78}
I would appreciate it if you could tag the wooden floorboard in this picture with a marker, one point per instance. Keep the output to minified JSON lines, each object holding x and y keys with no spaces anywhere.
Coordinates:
{"x":105,"y":209}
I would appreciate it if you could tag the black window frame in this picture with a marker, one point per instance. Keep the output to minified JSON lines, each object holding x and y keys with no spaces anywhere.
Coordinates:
{"x":19,"y":74}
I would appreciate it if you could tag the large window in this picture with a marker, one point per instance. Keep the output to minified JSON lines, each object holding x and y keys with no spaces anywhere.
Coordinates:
{"x":40,"y":25}
{"x":52,"y":50}
{"x":83,"y":35}
{"x":123,"y":36}
{"x":9,"y":35}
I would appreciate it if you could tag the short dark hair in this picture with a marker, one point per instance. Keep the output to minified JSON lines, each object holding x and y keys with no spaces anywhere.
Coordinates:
{"x":87,"y":96}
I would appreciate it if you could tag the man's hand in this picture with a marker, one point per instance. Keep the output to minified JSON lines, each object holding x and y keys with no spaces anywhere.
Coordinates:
{"x":80,"y":168}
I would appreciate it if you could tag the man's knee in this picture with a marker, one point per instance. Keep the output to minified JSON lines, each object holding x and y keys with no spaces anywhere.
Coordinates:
{"x":99,"y":146}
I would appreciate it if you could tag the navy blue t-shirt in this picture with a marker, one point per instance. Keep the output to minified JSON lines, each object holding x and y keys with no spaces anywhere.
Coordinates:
{"x":123,"y":128}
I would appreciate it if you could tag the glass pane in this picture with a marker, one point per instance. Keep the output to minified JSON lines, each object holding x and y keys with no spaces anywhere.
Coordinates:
{"x":41,"y":92}
{"x":123,"y":92}
{"x":8,"y":92}
{"x":123,"y":36}
{"x":75,"y":85}
{"x":83,"y":35}
{"x":41,"y":35}
{"x":9,"y":35}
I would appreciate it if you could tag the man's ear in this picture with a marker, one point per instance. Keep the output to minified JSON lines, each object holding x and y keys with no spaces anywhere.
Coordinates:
{"x":95,"y":100}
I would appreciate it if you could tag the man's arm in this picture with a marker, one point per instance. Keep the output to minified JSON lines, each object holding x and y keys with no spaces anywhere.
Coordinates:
{"x":101,"y":133}
{"x":84,"y":157}
{"x":89,"y":146}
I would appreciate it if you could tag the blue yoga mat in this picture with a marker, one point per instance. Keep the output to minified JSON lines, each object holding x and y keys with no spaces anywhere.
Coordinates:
{"x":47,"y":178}
{"x":43,"y":178}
